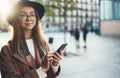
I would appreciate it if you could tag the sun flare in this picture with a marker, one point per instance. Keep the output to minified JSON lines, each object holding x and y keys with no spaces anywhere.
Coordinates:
{"x":5,"y":7}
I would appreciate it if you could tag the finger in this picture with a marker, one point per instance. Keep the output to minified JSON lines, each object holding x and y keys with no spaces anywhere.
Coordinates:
{"x":61,"y":52}
{"x":54,"y":55}
{"x":50,"y":58}
{"x":51,"y":54}
{"x":55,"y":60}
{"x":58,"y":58}
{"x":58,"y":55}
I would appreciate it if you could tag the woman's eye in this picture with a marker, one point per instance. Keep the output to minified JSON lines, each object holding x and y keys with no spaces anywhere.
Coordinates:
{"x":22,"y":15}
{"x":32,"y":15}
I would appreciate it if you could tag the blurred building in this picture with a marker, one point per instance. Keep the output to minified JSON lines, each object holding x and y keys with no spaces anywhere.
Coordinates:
{"x":110,"y":17}
{"x":104,"y":16}
{"x":83,"y":10}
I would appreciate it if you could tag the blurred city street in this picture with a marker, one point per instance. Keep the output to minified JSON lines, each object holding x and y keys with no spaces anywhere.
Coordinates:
{"x":99,"y":60}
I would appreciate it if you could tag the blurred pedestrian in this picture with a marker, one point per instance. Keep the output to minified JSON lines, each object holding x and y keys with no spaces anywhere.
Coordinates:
{"x":85,"y":31}
{"x":72,"y":31}
{"x":92,"y":30}
{"x":27,"y":54}
{"x":77,"y":36}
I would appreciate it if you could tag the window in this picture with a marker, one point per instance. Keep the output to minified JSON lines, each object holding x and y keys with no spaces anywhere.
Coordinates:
{"x":110,"y":9}
{"x":106,"y":11}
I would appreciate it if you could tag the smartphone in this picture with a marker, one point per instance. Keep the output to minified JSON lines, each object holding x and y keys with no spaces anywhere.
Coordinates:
{"x":61,"y":47}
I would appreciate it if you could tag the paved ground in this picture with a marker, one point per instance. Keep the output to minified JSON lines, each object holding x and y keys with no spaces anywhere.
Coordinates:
{"x":99,"y":60}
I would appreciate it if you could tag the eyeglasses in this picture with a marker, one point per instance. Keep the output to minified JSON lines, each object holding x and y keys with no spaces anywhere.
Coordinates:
{"x":24,"y":16}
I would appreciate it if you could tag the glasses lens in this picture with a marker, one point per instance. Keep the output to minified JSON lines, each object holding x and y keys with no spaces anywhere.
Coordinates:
{"x":25,"y":16}
{"x":32,"y":16}
{"x":22,"y":16}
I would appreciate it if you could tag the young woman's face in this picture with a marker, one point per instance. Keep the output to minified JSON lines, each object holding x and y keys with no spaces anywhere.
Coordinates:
{"x":27,"y":18}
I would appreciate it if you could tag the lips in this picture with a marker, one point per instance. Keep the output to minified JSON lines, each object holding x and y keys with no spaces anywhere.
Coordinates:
{"x":28,"y":23}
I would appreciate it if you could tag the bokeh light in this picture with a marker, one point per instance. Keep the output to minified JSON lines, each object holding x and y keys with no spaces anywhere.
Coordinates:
{"x":4,"y":7}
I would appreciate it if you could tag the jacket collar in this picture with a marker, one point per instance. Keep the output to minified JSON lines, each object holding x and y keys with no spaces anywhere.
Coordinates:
{"x":21,"y":57}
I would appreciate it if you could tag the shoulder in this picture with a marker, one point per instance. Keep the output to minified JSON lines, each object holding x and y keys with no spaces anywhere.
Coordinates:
{"x":4,"y":46}
{"x":5,"y":49}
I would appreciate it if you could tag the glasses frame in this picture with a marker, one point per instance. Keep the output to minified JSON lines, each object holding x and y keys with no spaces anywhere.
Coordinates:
{"x":24,"y":16}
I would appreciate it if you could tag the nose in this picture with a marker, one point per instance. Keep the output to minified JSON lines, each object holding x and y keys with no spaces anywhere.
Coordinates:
{"x":28,"y":17}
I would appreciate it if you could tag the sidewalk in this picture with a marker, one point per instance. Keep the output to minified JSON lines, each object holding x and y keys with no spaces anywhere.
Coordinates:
{"x":99,"y":60}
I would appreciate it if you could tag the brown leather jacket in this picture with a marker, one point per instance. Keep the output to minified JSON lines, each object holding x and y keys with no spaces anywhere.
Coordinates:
{"x":15,"y":65}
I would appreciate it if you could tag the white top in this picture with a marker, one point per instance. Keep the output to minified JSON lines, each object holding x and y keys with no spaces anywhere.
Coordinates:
{"x":40,"y":72}
{"x":30,"y":45}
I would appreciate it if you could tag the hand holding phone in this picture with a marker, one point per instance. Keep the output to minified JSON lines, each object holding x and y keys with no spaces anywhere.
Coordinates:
{"x":61,"y":47}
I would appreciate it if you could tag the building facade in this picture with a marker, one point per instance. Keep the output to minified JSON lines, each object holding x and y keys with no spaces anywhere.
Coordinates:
{"x":84,"y":10}
{"x":110,"y":18}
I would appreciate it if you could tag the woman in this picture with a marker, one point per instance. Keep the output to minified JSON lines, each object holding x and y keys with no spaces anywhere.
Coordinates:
{"x":77,"y":36}
{"x":27,"y":54}
{"x":85,"y":32}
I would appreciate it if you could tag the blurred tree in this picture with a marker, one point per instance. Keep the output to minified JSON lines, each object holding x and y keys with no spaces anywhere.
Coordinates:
{"x":49,"y":12}
{"x":63,"y":6}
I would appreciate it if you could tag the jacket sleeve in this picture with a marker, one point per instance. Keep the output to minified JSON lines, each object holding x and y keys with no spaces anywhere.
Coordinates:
{"x":52,"y":74}
{"x":6,"y":65}
{"x":8,"y":69}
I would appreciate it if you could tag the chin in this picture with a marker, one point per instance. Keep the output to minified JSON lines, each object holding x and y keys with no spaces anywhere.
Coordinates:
{"x":28,"y":28}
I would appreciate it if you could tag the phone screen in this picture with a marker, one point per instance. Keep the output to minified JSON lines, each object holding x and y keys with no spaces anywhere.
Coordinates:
{"x":61,"y":47}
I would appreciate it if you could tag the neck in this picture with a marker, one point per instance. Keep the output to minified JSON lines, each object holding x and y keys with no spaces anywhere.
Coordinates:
{"x":28,"y":34}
